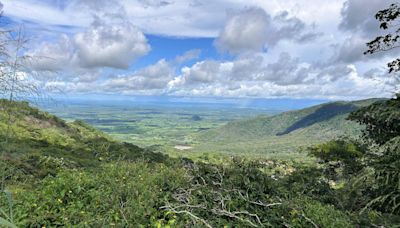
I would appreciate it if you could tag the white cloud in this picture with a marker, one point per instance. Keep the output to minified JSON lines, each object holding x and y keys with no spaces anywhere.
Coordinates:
{"x":110,"y":45}
{"x":245,"y":31}
{"x":187,"y":56}
{"x":351,"y":50}
{"x":358,"y":15}
{"x":203,"y":72}
{"x":359,"y":26}
{"x":153,"y":77}
{"x":270,"y":40}
{"x":115,"y":45}
{"x":254,"y":29}
{"x":52,"y":56}
{"x":253,"y":68}
{"x":287,"y":76}
{"x":191,"y":18}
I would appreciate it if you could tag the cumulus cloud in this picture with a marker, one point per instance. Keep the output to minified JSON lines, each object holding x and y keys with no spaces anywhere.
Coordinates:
{"x":52,"y":56}
{"x":358,"y":15}
{"x":254,"y":29}
{"x":247,"y":30}
{"x":155,"y":3}
{"x":258,"y":76}
{"x":350,"y":86}
{"x":152,"y":77}
{"x":291,"y":28}
{"x":246,"y":68}
{"x":250,"y":76}
{"x":187,"y":56}
{"x":190,"y":18}
{"x":202,"y":72}
{"x":358,"y":19}
{"x":93,"y":5}
{"x":101,"y":45}
{"x":110,"y":45}
{"x":351,"y":50}
{"x":296,"y":49}
{"x":285,"y":71}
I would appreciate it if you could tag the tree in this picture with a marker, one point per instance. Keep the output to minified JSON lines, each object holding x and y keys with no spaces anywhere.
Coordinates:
{"x":382,"y":122}
{"x":382,"y":128}
{"x":390,"y":21}
{"x":16,"y":77}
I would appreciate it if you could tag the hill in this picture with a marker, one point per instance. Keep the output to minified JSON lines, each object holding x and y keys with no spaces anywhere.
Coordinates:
{"x":29,"y":137}
{"x":67,"y":174}
{"x":283,"y":133}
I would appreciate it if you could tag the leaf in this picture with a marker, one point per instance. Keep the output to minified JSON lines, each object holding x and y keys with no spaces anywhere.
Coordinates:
{"x":6,"y":223}
{"x":4,"y":213}
{"x":10,"y":203}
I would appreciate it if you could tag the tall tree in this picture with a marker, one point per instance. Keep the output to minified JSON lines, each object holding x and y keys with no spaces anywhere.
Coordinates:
{"x":382,"y":121}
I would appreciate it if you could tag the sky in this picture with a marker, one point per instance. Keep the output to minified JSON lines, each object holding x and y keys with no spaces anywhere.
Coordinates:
{"x":204,"y":48}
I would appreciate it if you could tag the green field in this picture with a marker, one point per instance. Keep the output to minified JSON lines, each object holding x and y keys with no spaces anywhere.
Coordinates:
{"x":201,"y":131}
{"x":161,"y":128}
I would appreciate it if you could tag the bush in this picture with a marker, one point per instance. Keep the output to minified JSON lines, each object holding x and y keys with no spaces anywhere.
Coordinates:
{"x":119,"y":193}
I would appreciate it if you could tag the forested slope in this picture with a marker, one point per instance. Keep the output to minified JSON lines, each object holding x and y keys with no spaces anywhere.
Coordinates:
{"x":55,"y":173}
{"x":285,"y":132}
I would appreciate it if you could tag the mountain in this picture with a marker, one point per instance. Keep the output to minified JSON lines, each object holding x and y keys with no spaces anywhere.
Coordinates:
{"x":285,"y":132}
{"x":67,"y":174}
{"x":29,"y":138}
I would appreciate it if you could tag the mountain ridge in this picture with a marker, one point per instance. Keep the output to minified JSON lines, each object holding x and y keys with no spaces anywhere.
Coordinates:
{"x":286,"y":131}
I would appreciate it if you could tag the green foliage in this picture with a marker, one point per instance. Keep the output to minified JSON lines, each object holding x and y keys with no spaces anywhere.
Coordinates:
{"x":241,"y":193}
{"x":6,"y":218}
{"x":382,"y":120}
{"x":311,"y":213}
{"x":280,"y":136}
{"x":340,"y":157}
{"x":6,"y":223}
{"x":366,"y":172}
{"x":387,"y":178}
{"x":308,"y":182}
{"x":73,"y":175}
{"x":338,"y":150}
{"x":118,"y":193}
{"x":38,"y":133}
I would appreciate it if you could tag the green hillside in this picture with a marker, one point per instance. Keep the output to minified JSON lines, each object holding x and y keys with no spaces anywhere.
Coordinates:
{"x":67,"y":174}
{"x":286,"y":132}
{"x":28,"y":134}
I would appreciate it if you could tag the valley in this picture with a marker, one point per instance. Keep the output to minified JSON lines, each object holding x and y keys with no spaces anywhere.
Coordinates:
{"x":70,"y":173}
{"x":204,"y":114}
{"x":184,"y":129}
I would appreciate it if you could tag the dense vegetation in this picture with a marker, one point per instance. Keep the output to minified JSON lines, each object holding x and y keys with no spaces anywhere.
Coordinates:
{"x":55,"y":173}
{"x":217,"y":131}
{"x":281,"y":136}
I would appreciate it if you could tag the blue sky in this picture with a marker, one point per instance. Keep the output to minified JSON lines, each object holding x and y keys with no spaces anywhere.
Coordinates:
{"x":225,"y":48}
{"x":171,"y":47}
